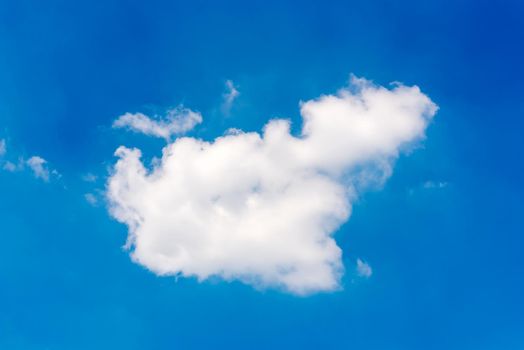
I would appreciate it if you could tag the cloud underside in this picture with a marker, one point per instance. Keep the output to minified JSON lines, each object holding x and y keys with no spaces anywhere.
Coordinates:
{"x":262,"y":208}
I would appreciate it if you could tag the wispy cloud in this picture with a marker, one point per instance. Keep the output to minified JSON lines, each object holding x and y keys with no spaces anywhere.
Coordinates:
{"x":429,"y":185}
{"x":39,"y":167}
{"x":2,"y":147}
{"x":177,"y":121}
{"x":36,"y":164}
{"x":435,"y":184}
{"x":12,"y":167}
{"x":91,"y":199}
{"x":9,"y":166}
{"x":363,"y":269}
{"x":229,"y":97}
{"x":89,"y":177}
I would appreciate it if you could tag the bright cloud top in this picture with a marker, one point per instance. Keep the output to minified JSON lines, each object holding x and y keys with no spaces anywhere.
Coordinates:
{"x":262,"y":208}
{"x":177,"y":121}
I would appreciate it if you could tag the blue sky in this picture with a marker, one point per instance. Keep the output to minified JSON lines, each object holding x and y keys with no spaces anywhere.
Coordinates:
{"x":443,"y":235}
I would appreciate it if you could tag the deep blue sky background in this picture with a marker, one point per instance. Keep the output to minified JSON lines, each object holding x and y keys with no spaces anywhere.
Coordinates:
{"x":448,"y":262}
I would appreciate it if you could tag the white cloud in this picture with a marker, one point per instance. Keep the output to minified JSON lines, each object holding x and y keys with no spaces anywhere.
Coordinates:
{"x":39,"y":167}
{"x":10,"y":166}
{"x":91,"y":199}
{"x":363,"y":269}
{"x":176,"y":121}
{"x":229,"y":96}
{"x":262,"y":208}
{"x":2,"y":147}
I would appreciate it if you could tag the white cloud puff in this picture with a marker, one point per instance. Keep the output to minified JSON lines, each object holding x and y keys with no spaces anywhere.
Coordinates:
{"x":39,"y":167}
{"x":363,"y":269}
{"x":262,"y":208}
{"x":176,"y":121}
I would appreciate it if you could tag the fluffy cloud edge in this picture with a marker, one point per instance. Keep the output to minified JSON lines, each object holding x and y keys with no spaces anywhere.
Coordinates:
{"x":225,"y":227}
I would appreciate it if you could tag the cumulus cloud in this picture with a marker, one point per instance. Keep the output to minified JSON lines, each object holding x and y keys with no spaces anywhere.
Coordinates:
{"x":363,"y":269}
{"x":39,"y":167}
{"x":177,"y":121}
{"x":229,"y":96}
{"x":262,"y":207}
